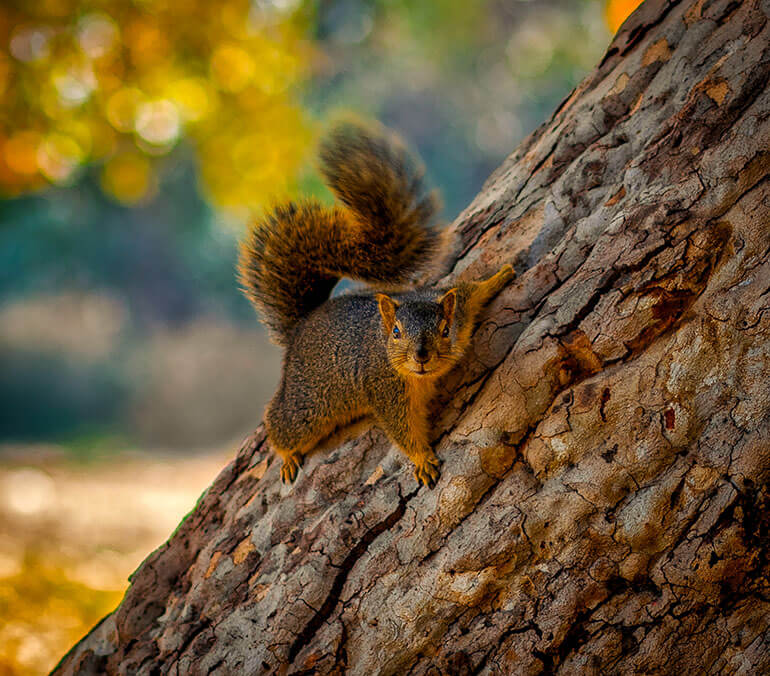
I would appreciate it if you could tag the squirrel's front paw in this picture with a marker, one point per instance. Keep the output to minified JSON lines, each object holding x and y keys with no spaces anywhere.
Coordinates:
{"x":427,"y":471}
{"x":289,"y":469}
{"x":506,"y":273}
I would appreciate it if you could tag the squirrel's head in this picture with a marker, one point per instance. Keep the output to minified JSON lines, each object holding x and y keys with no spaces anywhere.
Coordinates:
{"x":420,"y":334}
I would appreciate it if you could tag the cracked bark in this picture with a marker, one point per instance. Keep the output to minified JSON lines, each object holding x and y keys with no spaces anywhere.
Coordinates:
{"x":603,"y":503}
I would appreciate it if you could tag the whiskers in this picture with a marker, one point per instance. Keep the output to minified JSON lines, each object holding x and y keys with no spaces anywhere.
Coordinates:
{"x":399,"y":359}
{"x":439,"y":363}
{"x":401,"y":362}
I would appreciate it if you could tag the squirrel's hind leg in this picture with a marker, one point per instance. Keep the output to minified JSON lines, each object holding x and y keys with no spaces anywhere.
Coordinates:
{"x":292,"y":440}
{"x":292,"y":435}
{"x":289,"y":442}
{"x":292,"y":461}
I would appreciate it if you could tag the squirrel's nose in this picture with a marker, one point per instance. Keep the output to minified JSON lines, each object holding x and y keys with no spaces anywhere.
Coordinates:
{"x":421,"y":354}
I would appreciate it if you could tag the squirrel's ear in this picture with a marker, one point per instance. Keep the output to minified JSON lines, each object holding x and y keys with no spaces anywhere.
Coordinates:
{"x":387,"y":309}
{"x":448,"y":304}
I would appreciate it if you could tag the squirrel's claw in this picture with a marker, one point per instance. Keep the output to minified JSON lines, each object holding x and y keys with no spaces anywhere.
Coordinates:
{"x":427,"y":472}
{"x":289,"y":469}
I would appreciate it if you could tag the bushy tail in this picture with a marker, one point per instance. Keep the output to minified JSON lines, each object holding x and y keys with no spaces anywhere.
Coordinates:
{"x":384,"y":233}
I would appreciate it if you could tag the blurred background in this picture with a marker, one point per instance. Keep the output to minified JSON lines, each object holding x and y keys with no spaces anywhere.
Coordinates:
{"x":136,"y":139}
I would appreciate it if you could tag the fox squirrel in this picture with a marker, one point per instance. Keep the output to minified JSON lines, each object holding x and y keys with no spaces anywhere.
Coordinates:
{"x":369,"y":354}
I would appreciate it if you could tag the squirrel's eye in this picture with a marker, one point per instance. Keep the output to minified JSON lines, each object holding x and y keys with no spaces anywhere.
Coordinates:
{"x":396,"y":332}
{"x":445,"y":332}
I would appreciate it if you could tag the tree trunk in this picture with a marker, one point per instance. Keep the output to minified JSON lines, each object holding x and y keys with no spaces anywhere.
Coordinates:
{"x":603,"y":502}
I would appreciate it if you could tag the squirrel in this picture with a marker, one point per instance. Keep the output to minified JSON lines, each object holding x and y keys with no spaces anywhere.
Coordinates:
{"x":376,"y":354}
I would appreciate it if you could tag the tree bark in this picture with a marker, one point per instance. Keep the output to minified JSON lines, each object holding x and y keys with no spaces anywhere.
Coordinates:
{"x":603,"y":502}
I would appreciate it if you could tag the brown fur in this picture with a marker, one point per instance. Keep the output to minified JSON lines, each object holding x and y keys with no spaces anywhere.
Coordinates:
{"x":384,"y":233}
{"x":345,"y":364}
{"x":371,"y":355}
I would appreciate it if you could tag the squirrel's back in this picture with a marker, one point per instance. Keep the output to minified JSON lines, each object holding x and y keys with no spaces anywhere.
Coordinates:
{"x":383,"y":233}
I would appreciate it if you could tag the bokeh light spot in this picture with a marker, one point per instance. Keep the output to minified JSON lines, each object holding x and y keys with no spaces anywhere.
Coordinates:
{"x":20,"y":152}
{"x":232,"y":67}
{"x":28,"y":491}
{"x":75,"y":85}
{"x":97,"y":34}
{"x":58,"y":157}
{"x":127,"y":177}
{"x":122,"y":107}
{"x":135,"y":78}
{"x":30,"y":44}
{"x":193,"y":98}
{"x":157,"y":122}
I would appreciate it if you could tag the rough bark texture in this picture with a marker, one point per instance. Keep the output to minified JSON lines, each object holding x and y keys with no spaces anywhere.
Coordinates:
{"x":603,"y":503}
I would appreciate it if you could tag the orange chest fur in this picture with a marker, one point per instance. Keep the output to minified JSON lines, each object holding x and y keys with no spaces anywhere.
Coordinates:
{"x":419,"y":394}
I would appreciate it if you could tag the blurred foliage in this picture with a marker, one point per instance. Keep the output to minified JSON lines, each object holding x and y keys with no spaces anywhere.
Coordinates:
{"x":167,"y":259}
{"x":70,"y":535}
{"x":103,"y":315}
{"x":61,"y":396}
{"x":462,"y":81}
{"x":119,"y":82}
{"x":46,"y":614}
